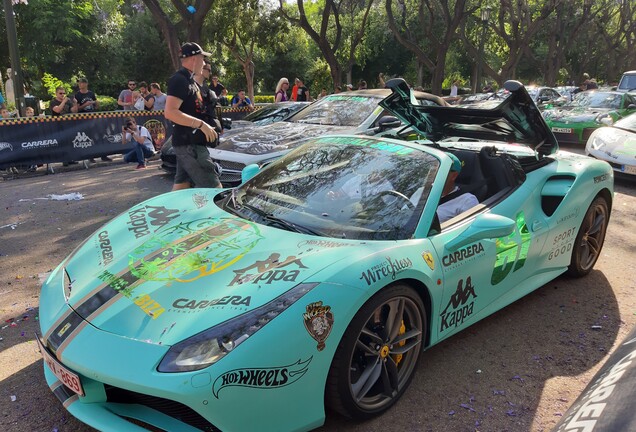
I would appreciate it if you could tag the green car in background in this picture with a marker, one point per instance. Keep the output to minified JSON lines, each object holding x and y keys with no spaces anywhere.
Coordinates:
{"x":574,"y":122}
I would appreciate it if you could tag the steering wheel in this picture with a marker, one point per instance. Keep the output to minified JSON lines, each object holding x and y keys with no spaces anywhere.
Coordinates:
{"x":397,"y":194}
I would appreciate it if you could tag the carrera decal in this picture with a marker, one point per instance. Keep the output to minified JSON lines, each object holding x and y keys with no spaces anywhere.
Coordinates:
{"x":428,"y":259}
{"x":512,"y":251}
{"x":465,"y":254}
{"x":269,"y":270}
{"x":318,"y":321}
{"x":460,"y":307}
{"x":185,"y":305}
{"x":261,"y":378}
{"x":105,"y":248}
{"x":391,"y":267}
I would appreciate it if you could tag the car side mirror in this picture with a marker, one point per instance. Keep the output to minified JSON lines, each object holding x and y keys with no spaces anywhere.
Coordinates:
{"x":388,"y":122}
{"x":249,"y":171}
{"x":631,"y":106}
{"x":485,"y":226}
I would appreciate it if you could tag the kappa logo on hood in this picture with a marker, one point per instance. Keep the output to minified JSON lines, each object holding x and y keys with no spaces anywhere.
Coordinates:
{"x":269,"y":270}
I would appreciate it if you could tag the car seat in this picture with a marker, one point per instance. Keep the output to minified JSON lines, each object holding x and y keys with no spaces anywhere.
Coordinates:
{"x":471,"y":178}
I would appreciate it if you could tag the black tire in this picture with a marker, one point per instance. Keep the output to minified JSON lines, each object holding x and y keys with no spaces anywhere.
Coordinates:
{"x":589,"y":241}
{"x":378,"y":354}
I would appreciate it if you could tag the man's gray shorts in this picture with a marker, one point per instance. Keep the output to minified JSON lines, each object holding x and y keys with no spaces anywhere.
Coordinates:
{"x":194,"y":164}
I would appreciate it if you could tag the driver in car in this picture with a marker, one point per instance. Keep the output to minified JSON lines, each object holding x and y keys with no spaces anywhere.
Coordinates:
{"x":452,"y":203}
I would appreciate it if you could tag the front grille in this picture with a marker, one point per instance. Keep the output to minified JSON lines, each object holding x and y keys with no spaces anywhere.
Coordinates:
{"x":168,"y":407}
{"x":230,"y":165}
{"x":565,"y":138}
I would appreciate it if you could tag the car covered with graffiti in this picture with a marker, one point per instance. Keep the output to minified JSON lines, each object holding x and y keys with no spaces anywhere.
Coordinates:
{"x":322,"y":279}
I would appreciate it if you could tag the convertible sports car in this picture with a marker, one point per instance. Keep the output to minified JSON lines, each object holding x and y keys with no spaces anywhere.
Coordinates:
{"x":319,"y":280}
{"x":615,"y":144}
{"x":574,"y":122}
{"x":355,"y":112}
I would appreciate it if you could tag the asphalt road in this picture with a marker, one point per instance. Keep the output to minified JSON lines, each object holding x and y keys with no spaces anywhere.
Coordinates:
{"x":518,"y":370}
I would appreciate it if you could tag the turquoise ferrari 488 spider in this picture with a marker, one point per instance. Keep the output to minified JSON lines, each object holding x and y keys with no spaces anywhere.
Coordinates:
{"x":322,"y":279}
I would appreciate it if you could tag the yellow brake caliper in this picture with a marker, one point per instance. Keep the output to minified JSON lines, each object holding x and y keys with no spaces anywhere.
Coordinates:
{"x":397,"y":358}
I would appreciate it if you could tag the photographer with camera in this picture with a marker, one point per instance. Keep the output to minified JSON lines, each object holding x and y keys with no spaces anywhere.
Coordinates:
{"x":142,"y":140}
{"x":241,"y":101}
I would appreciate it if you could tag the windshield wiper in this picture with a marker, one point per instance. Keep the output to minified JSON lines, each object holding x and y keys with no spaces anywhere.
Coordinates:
{"x":273,"y":221}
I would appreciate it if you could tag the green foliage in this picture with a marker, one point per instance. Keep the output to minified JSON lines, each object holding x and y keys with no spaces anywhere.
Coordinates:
{"x":263,"y":99}
{"x":107,"y":103}
{"x":50,"y":83}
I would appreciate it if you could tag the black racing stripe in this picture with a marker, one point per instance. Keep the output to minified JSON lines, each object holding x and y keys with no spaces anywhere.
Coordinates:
{"x":62,"y":392}
{"x":66,"y":327}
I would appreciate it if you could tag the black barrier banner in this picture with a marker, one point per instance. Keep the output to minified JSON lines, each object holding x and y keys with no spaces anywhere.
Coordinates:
{"x":40,"y":140}
{"x":234,"y":113}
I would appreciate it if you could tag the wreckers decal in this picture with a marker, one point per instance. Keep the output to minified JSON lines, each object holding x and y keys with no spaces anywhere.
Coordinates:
{"x":463,"y":254}
{"x":261,"y":378}
{"x":270,"y":270}
{"x":185,"y":305}
{"x":391,"y":267}
{"x":512,"y":251}
{"x":228,"y":240}
{"x":459,"y":304}
{"x":148,"y":219}
{"x":318,"y":321}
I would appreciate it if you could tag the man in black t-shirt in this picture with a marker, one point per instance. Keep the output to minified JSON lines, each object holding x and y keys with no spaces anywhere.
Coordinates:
{"x":216,"y":86}
{"x":302,"y":94}
{"x":86,"y":99}
{"x":186,"y":110}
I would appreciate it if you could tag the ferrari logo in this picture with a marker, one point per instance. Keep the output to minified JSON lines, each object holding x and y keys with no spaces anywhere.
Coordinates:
{"x":428,"y":259}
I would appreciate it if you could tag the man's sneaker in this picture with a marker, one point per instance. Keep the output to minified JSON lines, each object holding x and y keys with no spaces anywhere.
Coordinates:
{"x":141,"y":166}
{"x":106,"y":159}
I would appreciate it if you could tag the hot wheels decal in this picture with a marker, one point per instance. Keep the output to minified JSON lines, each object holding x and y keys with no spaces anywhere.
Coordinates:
{"x":318,"y":322}
{"x":261,"y":378}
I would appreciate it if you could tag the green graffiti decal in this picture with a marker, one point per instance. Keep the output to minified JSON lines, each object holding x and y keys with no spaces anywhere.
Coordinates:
{"x":512,"y":251}
{"x":197,"y":254}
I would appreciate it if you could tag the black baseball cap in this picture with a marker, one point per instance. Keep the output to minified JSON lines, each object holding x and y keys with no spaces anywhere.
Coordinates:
{"x":190,"y":49}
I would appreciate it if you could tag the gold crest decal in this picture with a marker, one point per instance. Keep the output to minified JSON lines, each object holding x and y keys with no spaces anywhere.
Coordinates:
{"x":428,"y":259}
{"x":318,"y":322}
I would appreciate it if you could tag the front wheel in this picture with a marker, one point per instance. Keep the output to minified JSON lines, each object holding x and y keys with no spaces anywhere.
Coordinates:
{"x":377,"y":356}
{"x":589,"y":240}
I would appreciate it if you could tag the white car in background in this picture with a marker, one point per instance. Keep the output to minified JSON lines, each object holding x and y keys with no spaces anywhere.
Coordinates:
{"x":615,"y":144}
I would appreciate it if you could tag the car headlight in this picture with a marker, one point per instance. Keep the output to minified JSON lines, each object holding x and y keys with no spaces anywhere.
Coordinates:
{"x":211,"y":345}
{"x":597,"y":143}
{"x":606,"y":119}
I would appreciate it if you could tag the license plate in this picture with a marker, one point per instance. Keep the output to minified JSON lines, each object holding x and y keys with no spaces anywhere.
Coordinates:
{"x":629,"y":169}
{"x":561,"y":130}
{"x":68,"y":378}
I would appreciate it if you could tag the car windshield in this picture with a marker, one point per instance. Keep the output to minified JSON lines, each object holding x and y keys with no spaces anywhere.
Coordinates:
{"x":272,"y":114}
{"x":341,"y":187}
{"x":594,"y":99}
{"x":627,"y":123}
{"x":338,"y":110}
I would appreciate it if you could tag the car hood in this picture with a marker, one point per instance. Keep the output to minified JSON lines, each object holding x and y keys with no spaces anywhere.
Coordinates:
{"x":574,"y":114}
{"x":275,"y":137}
{"x":517,"y":119}
{"x":177,"y":265}
{"x":615,"y":144}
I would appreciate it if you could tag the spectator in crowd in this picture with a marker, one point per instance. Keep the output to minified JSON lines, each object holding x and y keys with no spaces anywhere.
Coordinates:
{"x":61,"y":104}
{"x":302,"y":93}
{"x":381,"y":83}
{"x":582,"y":87}
{"x":4,"y":114}
{"x":454,"y":88}
{"x":190,"y":133}
{"x":223,"y":99}
{"x":281,"y":90}
{"x":241,"y":101}
{"x":1,"y":101}
{"x":362,"y":85}
{"x":338,"y":89}
{"x":86,"y":99}
{"x":149,"y":99}
{"x":142,"y":143}
{"x":139,"y":103}
{"x":452,"y":203}
{"x":160,"y":98}
{"x":323,"y":93}
{"x":294,"y":93}
{"x":487,"y":88}
{"x":29,"y":112}
{"x":125,"y":99}
{"x":216,"y":86}
{"x":590,"y":84}
{"x":349,"y":87}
